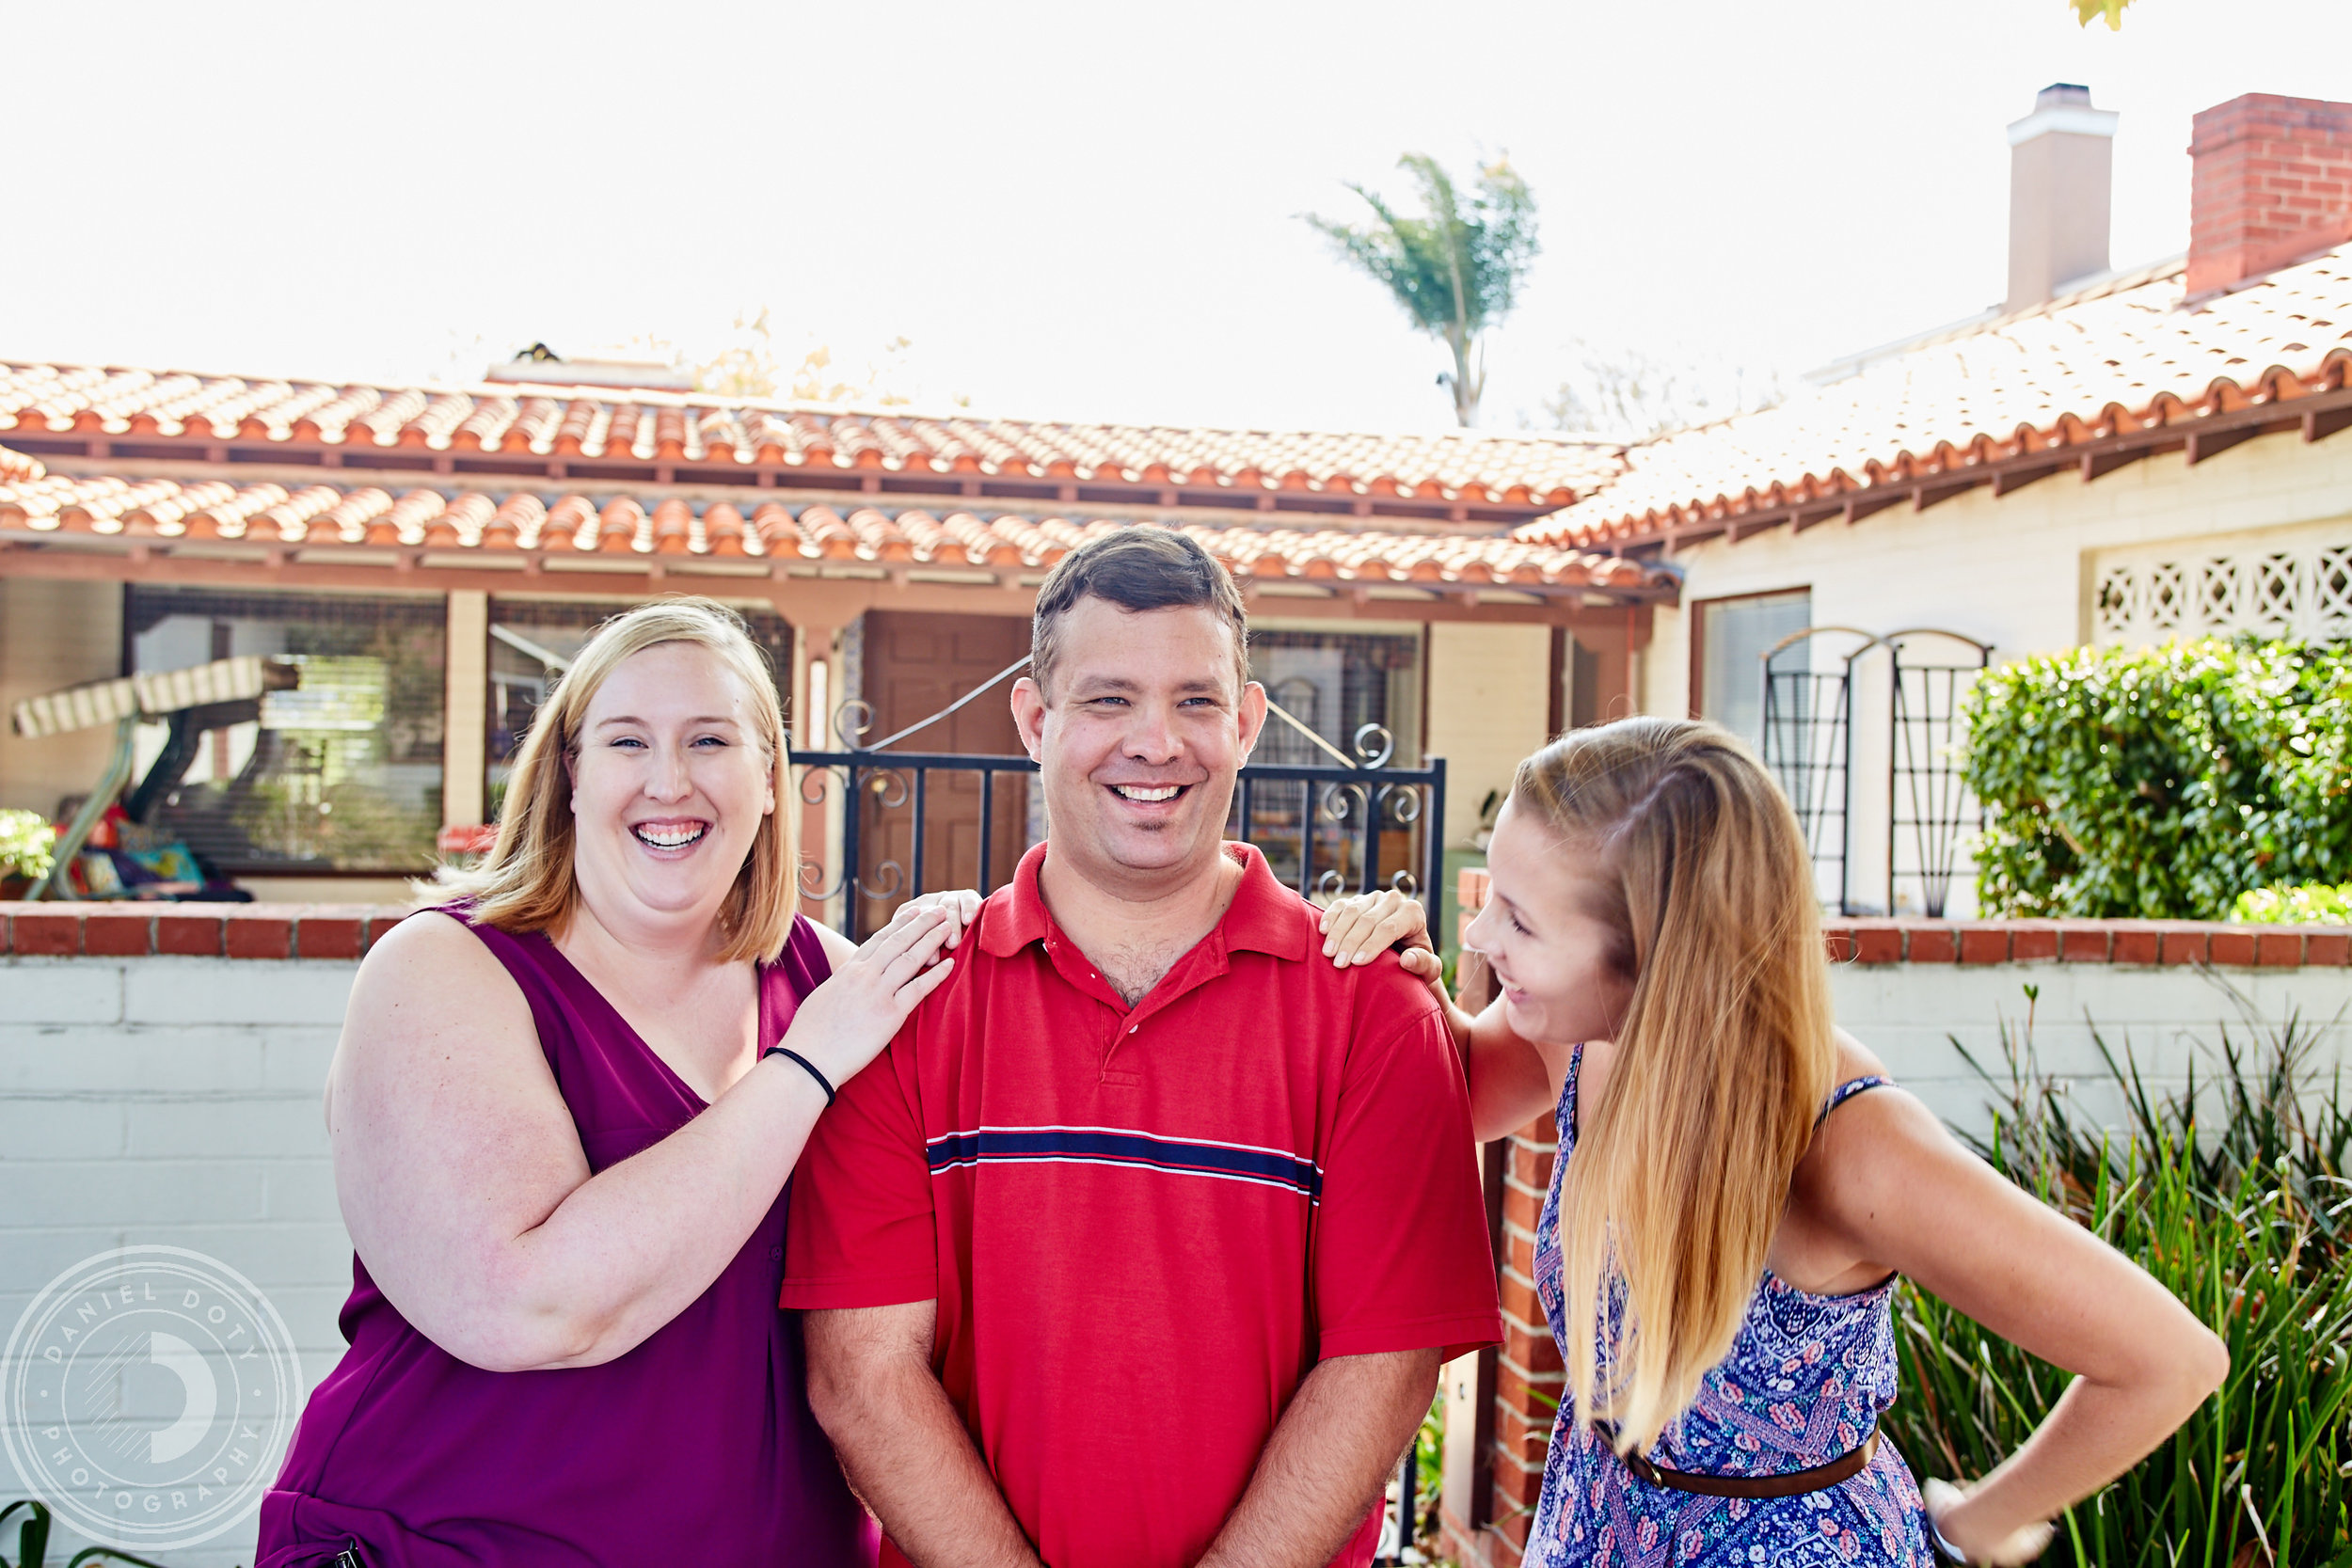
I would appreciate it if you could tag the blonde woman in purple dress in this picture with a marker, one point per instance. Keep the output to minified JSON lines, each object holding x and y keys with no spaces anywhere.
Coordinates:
{"x":1732,"y":1203}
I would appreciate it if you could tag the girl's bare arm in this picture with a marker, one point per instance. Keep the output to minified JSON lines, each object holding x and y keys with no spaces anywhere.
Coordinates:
{"x":1890,"y":1181}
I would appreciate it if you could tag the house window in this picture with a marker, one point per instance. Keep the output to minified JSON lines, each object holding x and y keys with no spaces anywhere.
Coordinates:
{"x":1335,"y":684}
{"x":343,"y":772}
{"x":1731,"y":638}
{"x":2295,"y":586}
{"x":534,"y":641}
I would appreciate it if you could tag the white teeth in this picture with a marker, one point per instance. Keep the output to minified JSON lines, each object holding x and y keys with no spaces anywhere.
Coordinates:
{"x":1136,"y":792}
{"x":670,"y":838}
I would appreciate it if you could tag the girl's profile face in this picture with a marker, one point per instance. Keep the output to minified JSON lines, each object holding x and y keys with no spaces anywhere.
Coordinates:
{"x":1545,"y":931}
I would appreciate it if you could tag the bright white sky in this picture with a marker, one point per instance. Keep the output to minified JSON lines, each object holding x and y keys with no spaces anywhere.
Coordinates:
{"x":1080,"y":210}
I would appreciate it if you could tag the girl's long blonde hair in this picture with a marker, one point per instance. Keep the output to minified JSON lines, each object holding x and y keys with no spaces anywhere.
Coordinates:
{"x":526,"y":882}
{"x":1681,"y":1171}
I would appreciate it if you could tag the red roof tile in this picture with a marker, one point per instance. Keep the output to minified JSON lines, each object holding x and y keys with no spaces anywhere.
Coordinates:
{"x":158,"y":512}
{"x":644,"y":426}
{"x":2128,"y":356}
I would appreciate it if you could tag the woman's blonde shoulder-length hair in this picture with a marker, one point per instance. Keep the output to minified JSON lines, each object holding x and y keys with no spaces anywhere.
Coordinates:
{"x":1681,"y":1170}
{"x":525,"y":881}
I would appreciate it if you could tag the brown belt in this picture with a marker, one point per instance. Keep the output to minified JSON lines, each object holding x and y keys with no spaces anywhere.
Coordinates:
{"x":1795,"y":1483}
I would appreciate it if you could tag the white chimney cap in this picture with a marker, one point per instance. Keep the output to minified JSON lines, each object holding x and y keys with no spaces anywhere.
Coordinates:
{"x":2063,"y":107}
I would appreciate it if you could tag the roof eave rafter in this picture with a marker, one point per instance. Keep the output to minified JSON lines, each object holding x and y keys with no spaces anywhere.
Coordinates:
{"x":406,"y":570}
{"x":2317,"y":418}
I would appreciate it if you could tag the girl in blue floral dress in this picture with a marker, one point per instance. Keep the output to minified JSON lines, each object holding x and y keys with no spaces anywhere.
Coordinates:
{"x":1730,"y":1208}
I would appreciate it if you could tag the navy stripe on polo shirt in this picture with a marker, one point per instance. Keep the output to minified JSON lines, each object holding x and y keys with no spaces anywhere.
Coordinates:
{"x":1120,"y":1145}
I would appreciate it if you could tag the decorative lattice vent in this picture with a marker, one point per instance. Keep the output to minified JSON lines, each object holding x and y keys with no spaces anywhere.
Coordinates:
{"x":2302,"y":592}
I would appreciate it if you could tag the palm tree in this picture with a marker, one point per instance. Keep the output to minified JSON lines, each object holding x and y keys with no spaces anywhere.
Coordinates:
{"x":1455,"y":271}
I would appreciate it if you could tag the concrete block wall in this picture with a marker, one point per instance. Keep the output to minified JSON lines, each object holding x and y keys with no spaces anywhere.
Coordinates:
{"x":1494,"y":710}
{"x":150,"y":1096}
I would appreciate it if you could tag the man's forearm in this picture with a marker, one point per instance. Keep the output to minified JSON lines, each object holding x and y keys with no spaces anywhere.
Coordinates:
{"x":1331,"y":1453}
{"x":907,"y":1454}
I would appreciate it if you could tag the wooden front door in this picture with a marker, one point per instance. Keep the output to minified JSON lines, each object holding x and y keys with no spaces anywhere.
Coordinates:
{"x":913,"y":666}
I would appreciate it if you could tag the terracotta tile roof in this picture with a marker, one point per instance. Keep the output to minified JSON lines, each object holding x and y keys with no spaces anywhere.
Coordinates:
{"x":157,"y":513}
{"x":2127,"y":358}
{"x":591,"y":423}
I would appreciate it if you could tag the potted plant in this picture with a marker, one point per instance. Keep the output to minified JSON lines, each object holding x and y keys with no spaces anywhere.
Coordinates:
{"x":26,"y":845}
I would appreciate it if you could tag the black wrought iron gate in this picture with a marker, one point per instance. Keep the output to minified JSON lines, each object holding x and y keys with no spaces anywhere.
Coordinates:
{"x":1357,"y":824}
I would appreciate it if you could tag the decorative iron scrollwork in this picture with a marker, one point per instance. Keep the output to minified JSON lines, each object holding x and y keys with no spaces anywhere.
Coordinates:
{"x":1337,"y":802}
{"x":889,"y":874}
{"x":846,"y":735}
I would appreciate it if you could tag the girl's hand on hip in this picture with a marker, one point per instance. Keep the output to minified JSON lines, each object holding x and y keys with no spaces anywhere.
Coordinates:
{"x":1948,"y":1509}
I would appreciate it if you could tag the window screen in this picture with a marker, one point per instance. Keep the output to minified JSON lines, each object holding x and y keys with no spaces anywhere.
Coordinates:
{"x":342,"y":773}
{"x":534,"y":641}
{"x":1734,"y":636}
{"x":1335,"y":683}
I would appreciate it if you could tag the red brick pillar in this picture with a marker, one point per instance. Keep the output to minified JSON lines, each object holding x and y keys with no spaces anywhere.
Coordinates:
{"x":1529,"y":1379}
{"x":1491,"y":1498}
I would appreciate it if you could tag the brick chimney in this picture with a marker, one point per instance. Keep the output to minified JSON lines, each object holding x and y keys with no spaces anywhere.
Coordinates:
{"x":2062,"y":162}
{"x":2272,"y":181}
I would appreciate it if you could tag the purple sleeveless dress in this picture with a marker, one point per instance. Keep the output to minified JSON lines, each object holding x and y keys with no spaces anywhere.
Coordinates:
{"x":698,"y":1444}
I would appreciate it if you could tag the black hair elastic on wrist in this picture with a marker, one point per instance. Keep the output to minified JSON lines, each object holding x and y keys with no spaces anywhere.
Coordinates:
{"x":806,"y":1065}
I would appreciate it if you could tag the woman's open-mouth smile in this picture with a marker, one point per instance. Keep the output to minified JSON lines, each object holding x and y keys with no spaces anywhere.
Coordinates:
{"x":670,"y":837}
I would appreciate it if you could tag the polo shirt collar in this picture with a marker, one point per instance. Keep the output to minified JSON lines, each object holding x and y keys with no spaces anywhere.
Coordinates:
{"x":1263,"y":917}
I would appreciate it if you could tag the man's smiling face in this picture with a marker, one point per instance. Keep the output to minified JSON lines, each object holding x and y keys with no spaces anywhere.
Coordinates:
{"x":1140,"y":735}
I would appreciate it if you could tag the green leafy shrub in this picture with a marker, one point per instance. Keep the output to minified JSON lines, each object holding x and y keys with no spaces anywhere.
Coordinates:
{"x":26,"y":843}
{"x":32,"y":1541}
{"x":2232,"y":1194}
{"x":2162,"y":783}
{"x":2313,"y":904}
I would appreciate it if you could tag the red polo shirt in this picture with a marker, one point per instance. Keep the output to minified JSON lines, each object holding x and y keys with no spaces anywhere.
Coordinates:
{"x":1144,"y":1226}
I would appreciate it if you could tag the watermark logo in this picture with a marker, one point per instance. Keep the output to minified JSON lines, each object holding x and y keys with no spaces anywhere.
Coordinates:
{"x":149,"y":1395}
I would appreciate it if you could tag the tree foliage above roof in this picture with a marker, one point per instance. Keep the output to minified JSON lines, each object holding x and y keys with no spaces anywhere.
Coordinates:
{"x":2084,"y":10}
{"x":1456,"y":269}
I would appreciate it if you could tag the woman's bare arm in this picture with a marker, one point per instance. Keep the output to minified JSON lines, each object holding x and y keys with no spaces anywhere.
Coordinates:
{"x":462,"y":1179}
{"x":1903,"y":1194}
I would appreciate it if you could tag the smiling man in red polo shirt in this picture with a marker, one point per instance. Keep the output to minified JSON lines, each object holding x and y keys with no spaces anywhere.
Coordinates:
{"x":1142,"y":1244}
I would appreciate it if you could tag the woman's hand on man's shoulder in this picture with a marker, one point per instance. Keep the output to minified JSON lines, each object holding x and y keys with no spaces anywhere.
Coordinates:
{"x":849,"y":1020}
{"x":962,"y":905}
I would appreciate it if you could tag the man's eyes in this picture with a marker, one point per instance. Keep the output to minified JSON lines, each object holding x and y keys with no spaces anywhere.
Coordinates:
{"x":1121,"y":701}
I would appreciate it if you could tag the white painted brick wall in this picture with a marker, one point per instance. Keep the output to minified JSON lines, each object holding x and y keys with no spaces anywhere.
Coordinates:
{"x":2171,"y":1017}
{"x":173,"y":1101}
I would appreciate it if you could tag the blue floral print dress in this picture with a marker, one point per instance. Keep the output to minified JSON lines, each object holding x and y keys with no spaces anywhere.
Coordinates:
{"x":1805,"y":1383}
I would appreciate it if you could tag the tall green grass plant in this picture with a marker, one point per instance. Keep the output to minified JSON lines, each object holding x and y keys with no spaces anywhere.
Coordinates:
{"x":2231,"y":1192}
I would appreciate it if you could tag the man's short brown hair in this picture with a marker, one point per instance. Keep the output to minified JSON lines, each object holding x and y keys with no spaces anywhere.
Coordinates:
{"x":1137,"y":568}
